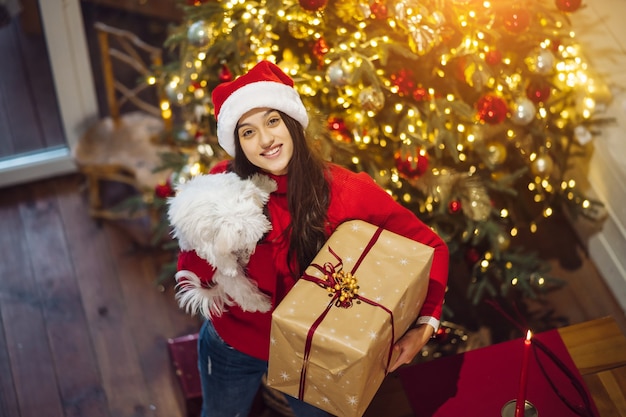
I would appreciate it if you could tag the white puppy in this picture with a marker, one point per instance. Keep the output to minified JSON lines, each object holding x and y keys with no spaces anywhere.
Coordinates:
{"x":220,"y":216}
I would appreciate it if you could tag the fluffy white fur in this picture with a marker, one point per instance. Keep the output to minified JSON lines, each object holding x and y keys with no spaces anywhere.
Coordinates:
{"x":220,"y":216}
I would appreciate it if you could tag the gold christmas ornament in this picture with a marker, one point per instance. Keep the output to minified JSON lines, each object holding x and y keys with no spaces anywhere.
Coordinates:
{"x":496,"y":153}
{"x":542,"y":166}
{"x":371,"y":99}
{"x":503,"y":241}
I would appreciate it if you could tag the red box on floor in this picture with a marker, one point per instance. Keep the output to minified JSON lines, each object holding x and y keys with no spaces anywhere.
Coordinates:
{"x":184,"y":355}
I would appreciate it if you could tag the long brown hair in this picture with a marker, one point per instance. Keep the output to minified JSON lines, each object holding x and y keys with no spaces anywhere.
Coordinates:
{"x":308,"y":195}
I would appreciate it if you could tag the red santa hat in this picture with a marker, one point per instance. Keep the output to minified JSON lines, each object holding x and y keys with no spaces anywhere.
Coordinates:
{"x":265,"y":85}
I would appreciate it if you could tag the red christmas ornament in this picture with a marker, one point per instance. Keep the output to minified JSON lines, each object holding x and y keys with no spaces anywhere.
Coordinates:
{"x":420,"y":94}
{"x":379,"y":10}
{"x":454,"y":206}
{"x":196,"y":2}
{"x":516,"y":20}
{"x":411,"y":165}
{"x":568,"y":5}
{"x":320,"y":49}
{"x":313,"y":5}
{"x":164,"y":190}
{"x":338,"y":129}
{"x":403,"y":79}
{"x":491,"y":109}
{"x":225,"y":75}
{"x":493,"y":57}
{"x":538,"y":91}
{"x":472,"y":255}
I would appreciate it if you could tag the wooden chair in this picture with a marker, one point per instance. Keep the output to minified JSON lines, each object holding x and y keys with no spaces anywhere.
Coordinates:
{"x":124,"y":146}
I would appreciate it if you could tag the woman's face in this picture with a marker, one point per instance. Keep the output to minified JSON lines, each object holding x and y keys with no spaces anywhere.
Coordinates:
{"x":265,"y":140}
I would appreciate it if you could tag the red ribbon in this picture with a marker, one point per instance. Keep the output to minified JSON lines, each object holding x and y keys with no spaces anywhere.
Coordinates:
{"x":329,"y":281}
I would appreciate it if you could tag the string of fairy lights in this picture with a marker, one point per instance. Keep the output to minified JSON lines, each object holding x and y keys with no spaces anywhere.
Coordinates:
{"x":454,"y":106}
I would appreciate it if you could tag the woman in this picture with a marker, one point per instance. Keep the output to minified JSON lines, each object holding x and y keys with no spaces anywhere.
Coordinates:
{"x":260,"y":122}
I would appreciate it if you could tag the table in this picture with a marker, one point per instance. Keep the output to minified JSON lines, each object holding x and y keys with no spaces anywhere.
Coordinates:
{"x":597,"y":348}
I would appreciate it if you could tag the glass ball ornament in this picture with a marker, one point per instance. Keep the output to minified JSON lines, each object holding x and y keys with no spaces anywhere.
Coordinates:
{"x":225,"y":75}
{"x":339,"y":130}
{"x":582,"y":135}
{"x":379,"y":10}
{"x":472,"y":256}
{"x":516,"y":20}
{"x":313,"y":5}
{"x":320,"y":49}
{"x":493,"y":57}
{"x":541,"y":61}
{"x":568,"y":5}
{"x":175,"y":92}
{"x":410,"y":164}
{"x":420,"y":94}
{"x":164,"y":190}
{"x":455,"y":206}
{"x":502,"y":241}
{"x":182,"y":176}
{"x":542,"y":166}
{"x":404,"y":80}
{"x":338,"y":73}
{"x":538,"y":91}
{"x":496,"y":153}
{"x":491,"y":109}
{"x":523,"y":111}
{"x":371,"y":99}
{"x":199,"y":33}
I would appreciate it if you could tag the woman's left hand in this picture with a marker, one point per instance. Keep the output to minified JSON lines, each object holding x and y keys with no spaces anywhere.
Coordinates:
{"x":410,"y":344}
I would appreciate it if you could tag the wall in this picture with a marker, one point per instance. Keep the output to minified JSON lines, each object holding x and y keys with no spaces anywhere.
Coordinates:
{"x":601,"y":31}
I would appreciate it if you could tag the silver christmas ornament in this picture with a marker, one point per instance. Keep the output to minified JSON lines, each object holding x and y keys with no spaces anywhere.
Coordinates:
{"x":199,"y":33}
{"x":523,"y":111}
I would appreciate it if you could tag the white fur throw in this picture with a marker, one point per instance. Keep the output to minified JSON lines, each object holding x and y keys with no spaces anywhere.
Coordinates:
{"x":220,"y":216}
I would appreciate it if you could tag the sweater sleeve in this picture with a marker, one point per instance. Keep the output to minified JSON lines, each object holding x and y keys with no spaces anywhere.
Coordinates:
{"x":361,"y":198}
{"x":190,"y":261}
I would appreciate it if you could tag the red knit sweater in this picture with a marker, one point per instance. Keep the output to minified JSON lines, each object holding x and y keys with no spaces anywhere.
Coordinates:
{"x":352,"y":197}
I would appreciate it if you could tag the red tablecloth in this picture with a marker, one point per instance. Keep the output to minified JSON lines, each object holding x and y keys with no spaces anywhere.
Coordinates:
{"x":478,"y":383}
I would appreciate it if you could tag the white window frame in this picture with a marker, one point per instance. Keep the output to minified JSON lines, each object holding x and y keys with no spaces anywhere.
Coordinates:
{"x":73,"y":80}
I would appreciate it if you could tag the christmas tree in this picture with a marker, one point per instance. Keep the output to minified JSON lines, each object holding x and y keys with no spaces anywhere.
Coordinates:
{"x":468,"y":112}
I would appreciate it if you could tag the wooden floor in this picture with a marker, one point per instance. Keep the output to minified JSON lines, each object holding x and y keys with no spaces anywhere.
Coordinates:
{"x":83,"y":328}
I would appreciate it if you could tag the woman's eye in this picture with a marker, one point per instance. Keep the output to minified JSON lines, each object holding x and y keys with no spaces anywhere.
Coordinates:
{"x":245,"y":133}
{"x":273,"y":121}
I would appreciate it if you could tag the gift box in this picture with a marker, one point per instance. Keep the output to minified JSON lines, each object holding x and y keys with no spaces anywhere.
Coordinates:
{"x":184,"y":355}
{"x":332,"y":336}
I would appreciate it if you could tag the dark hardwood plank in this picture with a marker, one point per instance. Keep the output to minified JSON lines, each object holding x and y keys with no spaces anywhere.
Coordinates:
{"x":27,"y":344}
{"x":8,"y":396}
{"x":105,"y":309}
{"x":67,"y":327}
{"x":150,"y":314}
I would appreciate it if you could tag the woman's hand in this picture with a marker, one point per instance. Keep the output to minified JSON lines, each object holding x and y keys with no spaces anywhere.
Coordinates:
{"x":410,"y":344}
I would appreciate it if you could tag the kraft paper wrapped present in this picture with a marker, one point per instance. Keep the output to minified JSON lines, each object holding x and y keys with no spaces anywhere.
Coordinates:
{"x":332,"y":335}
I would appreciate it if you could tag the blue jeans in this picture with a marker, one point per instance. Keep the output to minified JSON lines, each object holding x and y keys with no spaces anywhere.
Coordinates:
{"x":230,"y":379}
